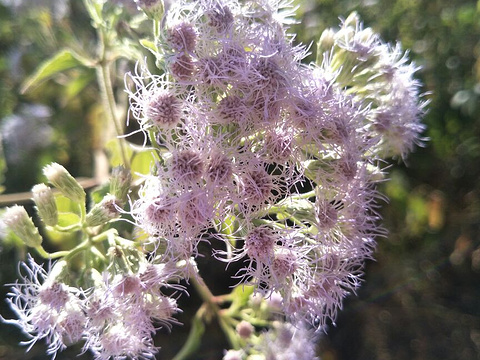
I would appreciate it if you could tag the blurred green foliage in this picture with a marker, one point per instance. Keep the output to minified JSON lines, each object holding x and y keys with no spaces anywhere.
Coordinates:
{"x":421,"y":298}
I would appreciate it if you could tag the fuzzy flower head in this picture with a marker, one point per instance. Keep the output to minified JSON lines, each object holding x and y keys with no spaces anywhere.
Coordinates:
{"x":220,"y":18}
{"x":46,"y":308}
{"x":186,"y":166}
{"x":59,"y":177}
{"x":182,"y":37}
{"x":219,"y":169}
{"x":45,"y":202}
{"x":260,"y":243}
{"x":122,"y":310}
{"x":154,"y":102}
{"x":164,"y":109}
{"x":257,"y":187}
{"x":155,"y":211}
{"x":285,"y":341}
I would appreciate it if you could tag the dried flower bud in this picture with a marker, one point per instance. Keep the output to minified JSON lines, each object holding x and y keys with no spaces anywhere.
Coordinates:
{"x":244,"y":329}
{"x":103,"y":212}
{"x":154,"y":9}
{"x":120,"y":183}
{"x":46,"y":206}
{"x":59,"y":177}
{"x":17,"y":219}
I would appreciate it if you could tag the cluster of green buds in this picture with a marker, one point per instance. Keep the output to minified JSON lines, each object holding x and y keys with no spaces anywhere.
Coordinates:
{"x":63,"y":208}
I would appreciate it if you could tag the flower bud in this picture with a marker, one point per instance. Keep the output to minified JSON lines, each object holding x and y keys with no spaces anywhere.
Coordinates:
{"x":244,"y":329}
{"x":59,"y":177}
{"x":58,"y":272}
{"x":120,"y":183}
{"x":154,"y":9}
{"x":103,"y":212}
{"x":326,"y":41}
{"x":17,"y":219}
{"x":353,"y":20}
{"x":233,"y":355}
{"x":46,"y":206}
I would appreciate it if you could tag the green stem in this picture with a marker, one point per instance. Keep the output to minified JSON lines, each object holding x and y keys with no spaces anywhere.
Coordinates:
{"x":46,"y":255}
{"x":80,"y":247}
{"x":194,"y":337}
{"x":157,"y":29}
{"x":83,"y":210}
{"x":69,"y":229}
{"x":209,"y":299}
{"x":306,"y":195}
{"x":85,"y":244}
{"x":108,"y":100}
{"x":104,"y":236}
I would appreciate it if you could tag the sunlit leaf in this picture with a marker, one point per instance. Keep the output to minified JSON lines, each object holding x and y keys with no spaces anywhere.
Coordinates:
{"x":116,"y":152}
{"x":68,"y":219}
{"x":97,"y":194}
{"x":141,"y":163}
{"x":62,"y":61}
{"x":64,"y":204}
{"x":76,"y":85}
{"x":94,"y":8}
{"x":150,"y":46}
{"x":241,"y":294}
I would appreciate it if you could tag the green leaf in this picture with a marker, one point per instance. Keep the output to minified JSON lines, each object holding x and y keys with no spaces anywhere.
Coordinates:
{"x":141,"y":163}
{"x":76,"y":85}
{"x":94,"y":8}
{"x":115,"y":152}
{"x":127,"y":50}
{"x":64,"y":204}
{"x":240,"y":296}
{"x":97,"y":194}
{"x":150,"y":46}
{"x":68,"y":219}
{"x":62,"y":61}
{"x":68,"y":211}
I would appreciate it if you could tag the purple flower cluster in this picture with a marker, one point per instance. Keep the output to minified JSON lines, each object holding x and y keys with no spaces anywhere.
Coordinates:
{"x":115,"y":318}
{"x":272,"y":160}
{"x":262,"y":151}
